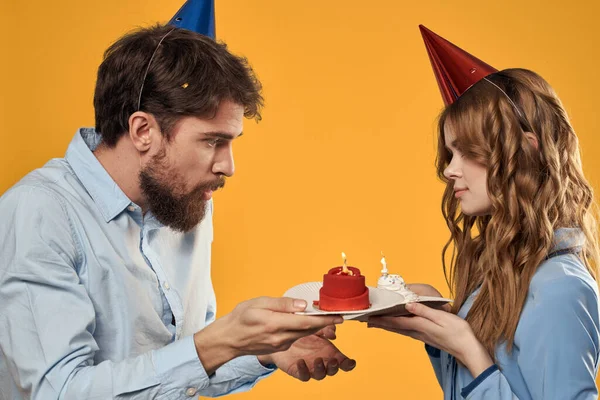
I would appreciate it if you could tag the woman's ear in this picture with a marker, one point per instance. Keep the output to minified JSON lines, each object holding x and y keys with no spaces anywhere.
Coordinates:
{"x":533,"y":140}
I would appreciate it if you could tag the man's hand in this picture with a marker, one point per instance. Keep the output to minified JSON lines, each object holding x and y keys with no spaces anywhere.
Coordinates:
{"x":312,"y":356}
{"x":263,"y":325}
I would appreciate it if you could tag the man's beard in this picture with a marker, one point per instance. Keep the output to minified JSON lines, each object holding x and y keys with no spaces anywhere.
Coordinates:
{"x":164,"y":193}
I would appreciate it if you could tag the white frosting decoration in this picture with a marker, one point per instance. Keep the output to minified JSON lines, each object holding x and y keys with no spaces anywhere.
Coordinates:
{"x":396,"y":284}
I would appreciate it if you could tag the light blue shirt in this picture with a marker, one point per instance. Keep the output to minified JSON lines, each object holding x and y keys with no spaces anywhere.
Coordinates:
{"x":89,"y":287}
{"x":557,"y":342}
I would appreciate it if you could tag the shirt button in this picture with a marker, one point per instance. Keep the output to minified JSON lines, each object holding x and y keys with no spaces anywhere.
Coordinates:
{"x":166,"y":286}
{"x":190,"y":392}
{"x":131,"y":208}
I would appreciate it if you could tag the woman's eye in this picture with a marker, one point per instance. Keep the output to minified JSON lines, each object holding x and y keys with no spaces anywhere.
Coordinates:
{"x":458,"y":153}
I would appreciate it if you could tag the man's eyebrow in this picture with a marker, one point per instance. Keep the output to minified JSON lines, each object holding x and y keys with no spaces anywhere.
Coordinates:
{"x":222,"y":135}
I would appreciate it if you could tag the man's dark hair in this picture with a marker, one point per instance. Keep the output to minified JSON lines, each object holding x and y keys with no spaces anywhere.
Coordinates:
{"x":189,"y":75}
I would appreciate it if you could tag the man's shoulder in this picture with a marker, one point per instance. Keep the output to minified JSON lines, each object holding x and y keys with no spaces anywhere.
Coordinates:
{"x":39,"y":187}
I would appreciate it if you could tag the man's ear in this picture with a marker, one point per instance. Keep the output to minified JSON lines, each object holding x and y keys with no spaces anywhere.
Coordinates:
{"x":143,"y":129}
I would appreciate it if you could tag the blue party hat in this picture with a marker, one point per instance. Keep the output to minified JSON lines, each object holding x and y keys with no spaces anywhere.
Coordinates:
{"x":197,"y":16}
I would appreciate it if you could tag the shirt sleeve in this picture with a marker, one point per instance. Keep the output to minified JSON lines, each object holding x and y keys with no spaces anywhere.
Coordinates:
{"x":238,"y":375}
{"x":557,"y":343}
{"x":436,"y":362}
{"x":49,"y":320}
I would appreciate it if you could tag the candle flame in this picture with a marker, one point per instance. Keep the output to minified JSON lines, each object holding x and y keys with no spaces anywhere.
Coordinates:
{"x":384,"y":270}
{"x":344,"y":267}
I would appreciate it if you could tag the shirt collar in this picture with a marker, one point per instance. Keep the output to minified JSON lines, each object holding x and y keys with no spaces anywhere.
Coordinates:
{"x":105,"y":192}
{"x":565,"y":238}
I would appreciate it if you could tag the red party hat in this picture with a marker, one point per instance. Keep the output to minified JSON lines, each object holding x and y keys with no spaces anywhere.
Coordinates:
{"x":455,"y":70}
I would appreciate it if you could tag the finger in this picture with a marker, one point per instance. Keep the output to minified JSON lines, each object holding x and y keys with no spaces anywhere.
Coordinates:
{"x":342,"y":360}
{"x":429,"y":313}
{"x":401,"y":322}
{"x":293,"y":335}
{"x":413,"y":323}
{"x":328,"y":332}
{"x":304,"y":332}
{"x":303,"y":371}
{"x":405,"y":332}
{"x":332,"y":367}
{"x":281,"y":307}
{"x":314,"y":323}
{"x":319,"y":371}
{"x":423,"y":289}
{"x":347,"y":364}
{"x":279,"y":304}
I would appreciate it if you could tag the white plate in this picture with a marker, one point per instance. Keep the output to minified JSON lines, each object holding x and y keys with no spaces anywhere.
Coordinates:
{"x":383,"y":302}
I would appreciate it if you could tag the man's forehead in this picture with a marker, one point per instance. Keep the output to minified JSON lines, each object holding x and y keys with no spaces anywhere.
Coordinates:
{"x":230,"y":125}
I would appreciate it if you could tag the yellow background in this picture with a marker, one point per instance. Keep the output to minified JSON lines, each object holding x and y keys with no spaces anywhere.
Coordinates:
{"x":344,"y":158}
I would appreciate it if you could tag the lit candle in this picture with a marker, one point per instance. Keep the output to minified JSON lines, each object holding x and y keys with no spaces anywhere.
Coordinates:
{"x":384,"y":271}
{"x":344,"y":267}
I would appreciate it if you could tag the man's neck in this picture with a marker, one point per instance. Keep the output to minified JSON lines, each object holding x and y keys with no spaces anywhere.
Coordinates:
{"x":123,"y":165}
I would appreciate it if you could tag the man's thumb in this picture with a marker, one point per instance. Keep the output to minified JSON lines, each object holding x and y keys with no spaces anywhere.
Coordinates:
{"x":281,"y":304}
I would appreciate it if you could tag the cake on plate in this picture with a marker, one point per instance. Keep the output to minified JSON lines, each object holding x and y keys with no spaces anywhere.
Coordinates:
{"x":395,"y":283}
{"x":343,"y":289}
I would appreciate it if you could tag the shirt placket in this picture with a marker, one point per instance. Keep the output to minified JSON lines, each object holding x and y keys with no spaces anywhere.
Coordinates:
{"x":172,"y":308}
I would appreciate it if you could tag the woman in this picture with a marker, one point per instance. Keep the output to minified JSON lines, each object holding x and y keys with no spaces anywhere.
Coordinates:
{"x":525,"y":319}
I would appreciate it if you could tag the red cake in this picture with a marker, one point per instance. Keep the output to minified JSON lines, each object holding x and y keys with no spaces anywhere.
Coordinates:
{"x":343,"y":291}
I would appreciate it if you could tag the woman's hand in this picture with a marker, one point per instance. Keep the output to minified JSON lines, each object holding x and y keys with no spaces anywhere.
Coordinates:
{"x":439,"y":329}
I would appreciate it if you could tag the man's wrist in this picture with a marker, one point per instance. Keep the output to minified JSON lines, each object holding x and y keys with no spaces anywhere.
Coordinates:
{"x":212,"y":348}
{"x":265,"y":359}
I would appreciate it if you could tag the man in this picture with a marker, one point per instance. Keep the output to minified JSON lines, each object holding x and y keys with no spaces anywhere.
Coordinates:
{"x":105,"y":255}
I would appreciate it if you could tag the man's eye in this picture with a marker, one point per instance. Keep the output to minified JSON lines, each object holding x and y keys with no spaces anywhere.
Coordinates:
{"x":213,"y":142}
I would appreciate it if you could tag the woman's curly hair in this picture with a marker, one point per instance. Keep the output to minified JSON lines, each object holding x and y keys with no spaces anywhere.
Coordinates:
{"x":533,"y":191}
